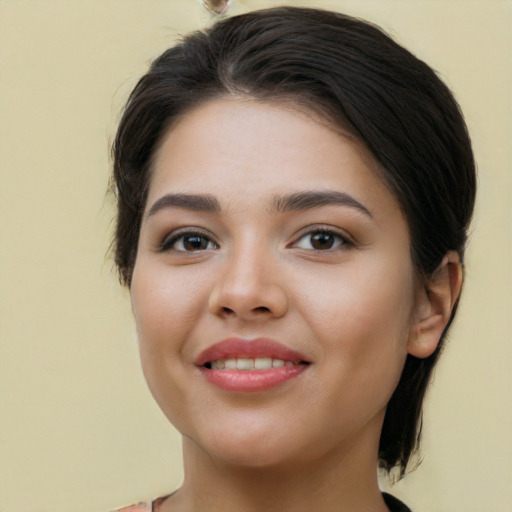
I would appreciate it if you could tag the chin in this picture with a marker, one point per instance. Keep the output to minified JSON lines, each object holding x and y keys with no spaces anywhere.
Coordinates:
{"x":255,"y":458}
{"x":249,"y":444}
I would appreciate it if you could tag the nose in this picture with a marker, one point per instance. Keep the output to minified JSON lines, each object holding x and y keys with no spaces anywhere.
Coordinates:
{"x":249,"y":287}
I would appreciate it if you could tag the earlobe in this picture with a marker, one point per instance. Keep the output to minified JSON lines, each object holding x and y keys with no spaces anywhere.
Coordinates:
{"x":434,"y":305}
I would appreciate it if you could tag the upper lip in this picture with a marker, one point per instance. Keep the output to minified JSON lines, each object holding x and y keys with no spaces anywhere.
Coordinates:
{"x":240,"y":348}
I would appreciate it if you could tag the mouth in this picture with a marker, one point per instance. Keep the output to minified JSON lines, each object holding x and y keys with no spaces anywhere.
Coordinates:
{"x":250,"y":365}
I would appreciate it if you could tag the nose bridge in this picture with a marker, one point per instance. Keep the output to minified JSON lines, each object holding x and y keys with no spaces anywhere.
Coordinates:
{"x":249,"y":283}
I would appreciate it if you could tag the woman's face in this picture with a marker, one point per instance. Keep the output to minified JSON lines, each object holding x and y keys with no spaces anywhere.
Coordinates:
{"x":268,"y":241}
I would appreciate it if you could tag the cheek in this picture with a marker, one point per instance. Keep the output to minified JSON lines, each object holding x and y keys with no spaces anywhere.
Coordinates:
{"x":363,"y":317}
{"x":374,"y":295}
{"x":165,"y":303}
{"x":166,"y":307}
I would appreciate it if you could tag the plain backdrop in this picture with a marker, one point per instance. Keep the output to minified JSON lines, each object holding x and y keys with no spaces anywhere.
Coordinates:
{"x":78,"y":429}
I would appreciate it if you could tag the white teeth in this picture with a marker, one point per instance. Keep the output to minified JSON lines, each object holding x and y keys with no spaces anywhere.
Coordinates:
{"x":244,"y":363}
{"x":263,"y":363}
{"x":230,"y":364}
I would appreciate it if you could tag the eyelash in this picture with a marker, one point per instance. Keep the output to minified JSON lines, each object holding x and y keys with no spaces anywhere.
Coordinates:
{"x":170,"y":241}
{"x":342,"y":242}
{"x":168,"y":244}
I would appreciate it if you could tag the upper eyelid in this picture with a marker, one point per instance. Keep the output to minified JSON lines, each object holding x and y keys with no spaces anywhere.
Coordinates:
{"x":326,"y":229}
{"x":174,"y":235}
{"x":344,"y":242}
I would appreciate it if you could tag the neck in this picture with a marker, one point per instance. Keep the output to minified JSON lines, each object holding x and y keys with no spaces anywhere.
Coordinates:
{"x":340,"y":481}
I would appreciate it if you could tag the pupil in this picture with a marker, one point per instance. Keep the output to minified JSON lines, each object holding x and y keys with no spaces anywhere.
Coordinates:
{"x":322,"y":241}
{"x":195,"y":243}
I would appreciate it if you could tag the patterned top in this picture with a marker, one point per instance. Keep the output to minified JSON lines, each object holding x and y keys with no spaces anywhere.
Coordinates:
{"x":393,"y":504}
{"x":141,"y":507}
{"x":144,"y":506}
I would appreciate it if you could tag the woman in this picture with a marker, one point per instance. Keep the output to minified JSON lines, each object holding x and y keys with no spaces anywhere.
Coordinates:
{"x":294,"y":191}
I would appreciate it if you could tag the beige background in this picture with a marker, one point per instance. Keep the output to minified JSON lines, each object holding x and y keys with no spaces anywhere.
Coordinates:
{"x":78,"y":430}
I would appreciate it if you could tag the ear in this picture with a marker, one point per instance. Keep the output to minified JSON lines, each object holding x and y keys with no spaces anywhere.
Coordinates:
{"x":435,"y":301}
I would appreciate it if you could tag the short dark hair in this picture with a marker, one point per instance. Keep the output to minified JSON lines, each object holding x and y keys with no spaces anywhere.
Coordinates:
{"x":358,"y":78}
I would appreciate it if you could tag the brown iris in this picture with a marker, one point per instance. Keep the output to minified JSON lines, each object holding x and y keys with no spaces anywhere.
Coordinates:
{"x":322,"y":240}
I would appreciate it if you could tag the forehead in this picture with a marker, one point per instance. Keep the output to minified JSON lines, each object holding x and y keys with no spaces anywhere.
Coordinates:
{"x":248,"y":149}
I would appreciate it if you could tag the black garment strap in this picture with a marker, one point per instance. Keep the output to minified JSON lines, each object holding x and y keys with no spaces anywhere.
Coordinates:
{"x":393,"y":504}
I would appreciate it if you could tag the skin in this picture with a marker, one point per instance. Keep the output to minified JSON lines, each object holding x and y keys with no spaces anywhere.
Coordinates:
{"x":353,"y":307}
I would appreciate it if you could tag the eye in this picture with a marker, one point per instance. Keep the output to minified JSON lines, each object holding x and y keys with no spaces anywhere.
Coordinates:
{"x":321,"y":240}
{"x":188,"y":242}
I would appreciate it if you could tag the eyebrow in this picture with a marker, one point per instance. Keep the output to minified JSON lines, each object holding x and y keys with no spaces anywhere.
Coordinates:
{"x":293,"y":202}
{"x":200,"y":203}
{"x":315,"y":199}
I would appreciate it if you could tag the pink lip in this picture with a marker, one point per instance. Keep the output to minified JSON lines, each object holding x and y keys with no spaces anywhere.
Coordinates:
{"x":260,"y":347}
{"x":250,"y":380}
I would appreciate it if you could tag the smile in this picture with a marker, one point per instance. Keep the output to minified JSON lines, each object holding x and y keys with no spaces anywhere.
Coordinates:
{"x":243,"y":363}
{"x":255,"y":365}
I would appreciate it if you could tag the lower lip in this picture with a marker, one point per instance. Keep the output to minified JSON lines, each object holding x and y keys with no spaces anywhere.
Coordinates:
{"x":252,"y":380}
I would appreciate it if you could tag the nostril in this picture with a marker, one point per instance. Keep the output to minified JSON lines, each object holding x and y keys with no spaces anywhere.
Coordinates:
{"x":249,"y":301}
{"x":261,"y":309}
